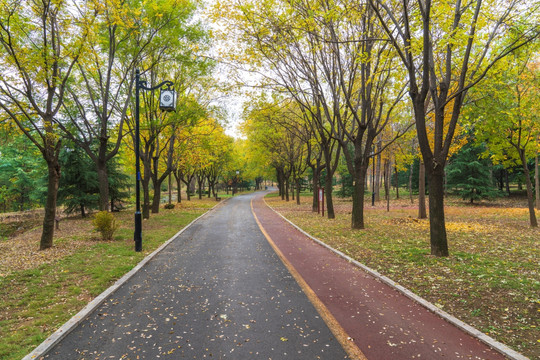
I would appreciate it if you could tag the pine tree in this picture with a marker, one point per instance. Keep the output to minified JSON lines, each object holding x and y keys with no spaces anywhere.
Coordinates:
{"x":20,"y":169}
{"x":469,"y":174}
{"x":118,"y":183}
{"x":78,"y":188}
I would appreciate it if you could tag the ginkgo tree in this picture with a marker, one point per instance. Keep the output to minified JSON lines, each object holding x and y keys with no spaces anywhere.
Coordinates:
{"x":202,"y":150}
{"x":264,"y":136}
{"x":277,"y":44}
{"x":276,"y":132}
{"x":219,"y":148}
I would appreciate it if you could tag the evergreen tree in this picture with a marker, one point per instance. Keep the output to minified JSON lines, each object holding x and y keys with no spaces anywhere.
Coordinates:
{"x":78,"y":188}
{"x":79,"y":185}
{"x":20,"y":169}
{"x":469,"y":174}
{"x":118,"y":183}
{"x":346,"y":186}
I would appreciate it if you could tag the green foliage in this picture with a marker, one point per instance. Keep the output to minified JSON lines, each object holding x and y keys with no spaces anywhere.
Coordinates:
{"x":78,"y":186}
{"x":105,"y":223}
{"x":118,"y":182}
{"x":346,"y":188}
{"x":505,"y":111}
{"x":169,"y":206}
{"x":21,"y":170}
{"x":469,"y":174}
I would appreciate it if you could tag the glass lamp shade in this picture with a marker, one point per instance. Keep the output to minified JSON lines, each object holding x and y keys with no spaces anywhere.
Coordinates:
{"x":167,"y":100}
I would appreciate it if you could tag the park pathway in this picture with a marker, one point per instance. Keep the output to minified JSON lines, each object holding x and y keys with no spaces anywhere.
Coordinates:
{"x":239,"y":286}
{"x":218,"y":291}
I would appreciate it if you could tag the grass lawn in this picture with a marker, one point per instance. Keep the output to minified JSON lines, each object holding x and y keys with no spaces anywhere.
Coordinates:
{"x":41,"y":290}
{"x":491,"y":279}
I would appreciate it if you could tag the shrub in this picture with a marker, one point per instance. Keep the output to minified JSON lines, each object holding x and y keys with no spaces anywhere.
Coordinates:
{"x":105,"y":223}
{"x":169,"y":206}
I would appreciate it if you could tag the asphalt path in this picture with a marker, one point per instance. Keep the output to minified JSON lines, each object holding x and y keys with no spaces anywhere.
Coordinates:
{"x":218,"y":291}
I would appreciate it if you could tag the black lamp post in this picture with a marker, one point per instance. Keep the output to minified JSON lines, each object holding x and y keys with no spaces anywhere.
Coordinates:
{"x":167,"y":102}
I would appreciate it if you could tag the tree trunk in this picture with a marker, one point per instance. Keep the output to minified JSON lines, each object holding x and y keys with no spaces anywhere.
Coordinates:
{"x":386,"y":178}
{"x":146,"y":199}
{"x":297,"y":191}
{"x":178,"y":179}
{"x":157,"y":182}
{"x":47,"y":234}
{"x":188,"y":195}
{"x":170,"y":189}
{"x":287,"y":189}
{"x":437,"y":227}
{"x":278,"y":184}
{"x":281,"y":183}
{"x":507,"y":181}
{"x":213,"y":184}
{"x":410,"y":182}
{"x":157,"y":197}
{"x":316,"y":177}
{"x":397,"y":181}
{"x":103,"y":183}
{"x":537,"y":182}
{"x":187,"y":181}
{"x":373,"y":190}
{"x":422,"y":192}
{"x":328,"y":188}
{"x":378,"y":176}
{"x":530,"y":196}
{"x":387,"y":184}
{"x":200,"y":186}
{"x":145,"y":184}
{"x":359,"y":189}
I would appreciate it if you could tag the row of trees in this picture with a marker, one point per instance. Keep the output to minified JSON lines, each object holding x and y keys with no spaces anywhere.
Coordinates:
{"x":203,"y":156}
{"x":67,"y":81}
{"x":23,"y":180}
{"x":350,"y":79}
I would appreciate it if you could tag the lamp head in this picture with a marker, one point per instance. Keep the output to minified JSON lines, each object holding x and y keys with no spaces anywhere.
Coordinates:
{"x":167,"y":99}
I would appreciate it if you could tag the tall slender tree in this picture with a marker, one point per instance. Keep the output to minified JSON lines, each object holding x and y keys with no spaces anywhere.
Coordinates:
{"x":510,"y":124}
{"x":40,"y":42}
{"x":125,"y":34}
{"x":446,"y":53}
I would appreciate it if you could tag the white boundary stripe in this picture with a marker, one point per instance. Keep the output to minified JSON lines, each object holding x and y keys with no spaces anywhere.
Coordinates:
{"x":65,"y":329}
{"x":500,"y":347}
